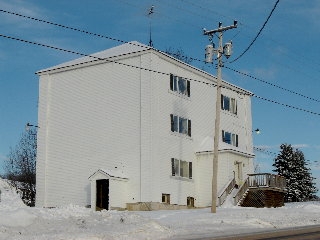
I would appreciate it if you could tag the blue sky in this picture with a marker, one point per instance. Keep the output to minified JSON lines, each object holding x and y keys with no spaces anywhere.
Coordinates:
{"x":285,"y":54}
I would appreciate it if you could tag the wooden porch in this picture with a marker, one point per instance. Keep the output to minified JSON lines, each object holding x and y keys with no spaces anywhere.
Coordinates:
{"x":258,"y":190}
{"x":261,"y":190}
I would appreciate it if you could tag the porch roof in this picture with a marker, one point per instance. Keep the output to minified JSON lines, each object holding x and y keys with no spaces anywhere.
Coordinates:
{"x":206,"y":146}
{"x":108,"y":173}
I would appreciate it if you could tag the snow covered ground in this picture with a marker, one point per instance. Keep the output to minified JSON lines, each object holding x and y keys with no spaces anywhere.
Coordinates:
{"x":18,"y":221}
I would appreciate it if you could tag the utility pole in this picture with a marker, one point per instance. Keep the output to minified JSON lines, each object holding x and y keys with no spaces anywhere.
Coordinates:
{"x":221,"y":50}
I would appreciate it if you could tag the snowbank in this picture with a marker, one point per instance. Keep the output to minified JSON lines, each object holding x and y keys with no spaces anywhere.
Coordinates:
{"x":18,"y":221}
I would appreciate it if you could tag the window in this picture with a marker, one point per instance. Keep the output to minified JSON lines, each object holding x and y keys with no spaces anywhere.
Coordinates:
{"x":166,"y":198}
{"x":181,"y":168}
{"x":179,"y":85}
{"x":230,"y":138}
{"x":190,"y":201}
{"x":180,"y":125}
{"x":229,"y":104}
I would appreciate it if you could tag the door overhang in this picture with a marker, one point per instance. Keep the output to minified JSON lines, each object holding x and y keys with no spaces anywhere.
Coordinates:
{"x":108,"y":174}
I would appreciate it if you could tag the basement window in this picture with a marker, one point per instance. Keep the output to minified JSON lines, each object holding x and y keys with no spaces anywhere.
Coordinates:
{"x":166,"y":198}
{"x":190,"y":201}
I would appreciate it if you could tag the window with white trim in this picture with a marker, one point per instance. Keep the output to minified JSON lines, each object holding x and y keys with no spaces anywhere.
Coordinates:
{"x":180,"y":125}
{"x":229,"y":104}
{"x":180,"y":168}
{"x":179,"y":85}
{"x":230,"y":138}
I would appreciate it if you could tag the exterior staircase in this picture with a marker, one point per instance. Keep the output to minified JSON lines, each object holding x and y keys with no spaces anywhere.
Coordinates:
{"x":222,"y":196}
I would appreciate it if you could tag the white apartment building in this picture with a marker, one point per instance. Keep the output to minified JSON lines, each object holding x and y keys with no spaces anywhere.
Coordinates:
{"x":133,"y":124}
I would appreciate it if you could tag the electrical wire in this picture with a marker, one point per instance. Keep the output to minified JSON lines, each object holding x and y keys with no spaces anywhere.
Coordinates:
{"x":109,"y":60}
{"x":265,"y":151}
{"x":285,"y":105}
{"x":144,"y":46}
{"x":308,"y":162}
{"x":83,"y":31}
{"x":149,"y":70}
{"x":66,"y":27}
{"x":263,"y":26}
{"x":272,"y":84}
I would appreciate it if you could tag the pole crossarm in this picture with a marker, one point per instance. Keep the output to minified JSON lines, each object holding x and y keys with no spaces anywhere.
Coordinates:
{"x":220,"y":29}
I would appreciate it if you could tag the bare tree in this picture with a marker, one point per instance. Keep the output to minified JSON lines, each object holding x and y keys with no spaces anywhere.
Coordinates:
{"x":179,"y":54}
{"x":20,"y":166}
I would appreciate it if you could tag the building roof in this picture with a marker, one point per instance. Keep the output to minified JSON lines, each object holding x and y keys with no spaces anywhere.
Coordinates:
{"x":121,"y":50}
{"x":127,"y":48}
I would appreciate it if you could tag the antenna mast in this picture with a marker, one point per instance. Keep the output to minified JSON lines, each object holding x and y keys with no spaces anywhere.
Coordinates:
{"x":149,"y":15}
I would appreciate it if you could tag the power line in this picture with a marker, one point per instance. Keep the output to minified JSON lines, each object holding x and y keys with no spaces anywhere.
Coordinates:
{"x":264,"y":24}
{"x":64,"y":26}
{"x":308,"y":162}
{"x":122,"y":41}
{"x":272,"y":84}
{"x":149,"y":70}
{"x":81,"y":30}
{"x":265,"y":151}
{"x":107,"y":60}
{"x":286,"y":105}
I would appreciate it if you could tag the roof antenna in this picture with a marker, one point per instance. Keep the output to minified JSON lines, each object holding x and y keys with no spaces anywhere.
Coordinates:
{"x":149,"y":15}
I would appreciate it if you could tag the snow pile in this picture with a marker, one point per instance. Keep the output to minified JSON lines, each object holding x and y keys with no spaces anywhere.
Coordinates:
{"x":18,"y":221}
{"x":9,"y":197}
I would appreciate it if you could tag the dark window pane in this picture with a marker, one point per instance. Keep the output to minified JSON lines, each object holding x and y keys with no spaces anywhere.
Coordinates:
{"x":171,"y":82}
{"x":227,"y":137}
{"x":190,"y":170}
{"x":176,"y":123}
{"x":183,"y":125}
{"x":226,"y":103}
{"x":189,"y":128}
{"x":182,"y":86}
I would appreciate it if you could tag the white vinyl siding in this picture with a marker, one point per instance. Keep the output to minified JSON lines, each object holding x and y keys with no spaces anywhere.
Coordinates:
{"x":112,"y":116}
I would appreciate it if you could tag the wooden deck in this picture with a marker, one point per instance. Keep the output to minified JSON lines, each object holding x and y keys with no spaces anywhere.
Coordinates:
{"x":261,"y":190}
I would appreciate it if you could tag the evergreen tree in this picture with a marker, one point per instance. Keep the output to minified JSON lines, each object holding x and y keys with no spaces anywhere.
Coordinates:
{"x":291,"y":164}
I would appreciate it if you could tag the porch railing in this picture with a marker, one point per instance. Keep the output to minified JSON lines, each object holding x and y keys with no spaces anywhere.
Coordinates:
{"x":226,"y":191}
{"x":242,"y":189}
{"x":268,"y":180}
{"x":262,"y":181}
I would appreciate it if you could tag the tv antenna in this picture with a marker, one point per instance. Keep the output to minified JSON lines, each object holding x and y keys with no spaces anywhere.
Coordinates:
{"x":150,"y":13}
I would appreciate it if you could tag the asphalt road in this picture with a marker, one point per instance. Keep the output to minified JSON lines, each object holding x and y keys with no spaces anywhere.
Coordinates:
{"x":301,"y":233}
{"x":308,"y":232}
